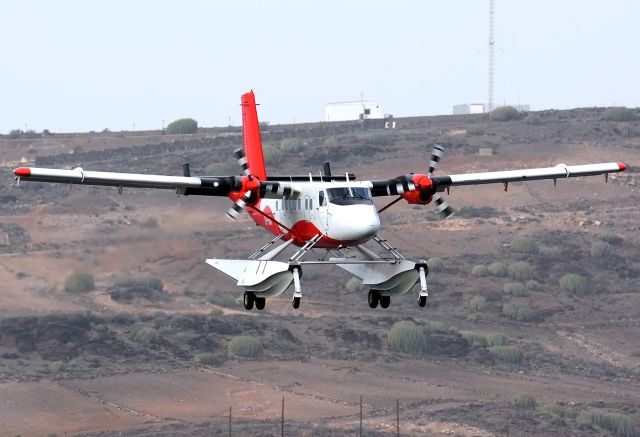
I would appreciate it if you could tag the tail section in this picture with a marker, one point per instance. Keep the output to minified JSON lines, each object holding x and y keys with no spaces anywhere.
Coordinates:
{"x":251,"y":135}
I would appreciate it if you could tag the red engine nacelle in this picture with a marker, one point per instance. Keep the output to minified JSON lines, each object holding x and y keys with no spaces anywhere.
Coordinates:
{"x":423,"y":192}
{"x":249,"y":184}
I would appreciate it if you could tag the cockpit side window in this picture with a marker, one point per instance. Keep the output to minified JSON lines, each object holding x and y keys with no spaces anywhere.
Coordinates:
{"x":321,"y":198}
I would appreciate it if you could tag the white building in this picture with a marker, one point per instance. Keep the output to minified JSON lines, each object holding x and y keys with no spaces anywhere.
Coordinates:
{"x":468,"y":108}
{"x":344,"y":111}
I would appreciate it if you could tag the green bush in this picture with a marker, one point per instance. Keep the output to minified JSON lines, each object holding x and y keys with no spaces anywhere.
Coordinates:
{"x":474,"y":338}
{"x":222,"y":299}
{"x":508,"y":354}
{"x":79,"y":282}
{"x":15,"y":134}
{"x":497,"y":269}
{"x":524,"y":245}
{"x":504,"y":113}
{"x":618,"y":424}
{"x":515,"y":289}
{"x":484,"y":338}
{"x":291,"y":145}
{"x":435,"y":326}
{"x":272,"y":155}
{"x":382,"y":140}
{"x":612,"y":239}
{"x":56,"y":366}
{"x":145,"y":282}
{"x":183,"y":126}
{"x":558,"y":410}
{"x":619,"y":113}
{"x":551,"y":253}
{"x":533,"y":120}
{"x":474,"y":131}
{"x":520,"y":271}
{"x":526,"y":401}
{"x":215,"y":313}
{"x":496,"y":339}
{"x":478,"y":303}
{"x":244,"y":346}
{"x":575,"y":283}
{"x":600,"y":249}
{"x":407,"y":337}
{"x":624,"y":129}
{"x":435,"y":264}
{"x":143,"y":334}
{"x":521,"y":312}
{"x":479,"y":270}
{"x":331,"y":142}
{"x":211,"y":359}
{"x":532,"y":284}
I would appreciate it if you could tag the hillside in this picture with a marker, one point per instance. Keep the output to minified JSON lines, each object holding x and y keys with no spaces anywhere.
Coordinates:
{"x":127,"y":359}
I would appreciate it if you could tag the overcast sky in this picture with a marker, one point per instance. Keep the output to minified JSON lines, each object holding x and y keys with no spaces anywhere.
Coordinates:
{"x":86,"y":65}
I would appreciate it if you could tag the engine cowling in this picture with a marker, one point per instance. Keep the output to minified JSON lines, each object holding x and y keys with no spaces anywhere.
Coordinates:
{"x":423,"y":192}
{"x":249,"y":184}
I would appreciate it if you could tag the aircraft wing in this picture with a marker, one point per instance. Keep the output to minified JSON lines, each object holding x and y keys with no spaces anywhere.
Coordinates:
{"x":187,"y":185}
{"x":560,"y":171}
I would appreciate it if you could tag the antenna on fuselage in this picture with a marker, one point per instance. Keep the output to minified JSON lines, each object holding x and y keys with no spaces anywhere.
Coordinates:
{"x":326,"y":168}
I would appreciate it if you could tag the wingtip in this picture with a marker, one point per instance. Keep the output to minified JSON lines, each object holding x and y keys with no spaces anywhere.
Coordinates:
{"x":22,"y":172}
{"x":621,"y":166}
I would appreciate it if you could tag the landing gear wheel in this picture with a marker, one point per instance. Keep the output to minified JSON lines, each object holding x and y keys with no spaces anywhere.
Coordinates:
{"x":248,"y":300}
{"x":385,"y":301}
{"x":260,"y":302}
{"x":374,"y":298}
{"x":422,"y":301}
{"x":296,"y":302}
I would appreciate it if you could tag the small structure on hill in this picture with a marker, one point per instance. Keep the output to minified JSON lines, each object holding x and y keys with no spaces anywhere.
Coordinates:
{"x":359,"y":110}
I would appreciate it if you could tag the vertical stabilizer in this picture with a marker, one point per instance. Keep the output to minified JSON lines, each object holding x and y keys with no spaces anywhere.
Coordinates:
{"x":251,"y":136}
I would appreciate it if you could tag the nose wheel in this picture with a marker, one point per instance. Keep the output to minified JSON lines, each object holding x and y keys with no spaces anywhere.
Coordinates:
{"x":422,"y":301}
{"x":295,"y":303}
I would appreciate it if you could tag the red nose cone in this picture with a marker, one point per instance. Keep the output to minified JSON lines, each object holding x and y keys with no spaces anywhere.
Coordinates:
{"x":621,"y":166}
{"x":22,"y":171}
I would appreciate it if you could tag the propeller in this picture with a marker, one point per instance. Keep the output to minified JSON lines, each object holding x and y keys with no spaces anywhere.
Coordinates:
{"x":442,"y":206}
{"x":255,"y":189}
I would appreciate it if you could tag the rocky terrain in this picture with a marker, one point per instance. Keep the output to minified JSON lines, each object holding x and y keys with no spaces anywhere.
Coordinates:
{"x":510,"y":345}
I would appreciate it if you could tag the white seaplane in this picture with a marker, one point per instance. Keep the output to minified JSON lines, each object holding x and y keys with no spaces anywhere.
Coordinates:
{"x":334,"y":213}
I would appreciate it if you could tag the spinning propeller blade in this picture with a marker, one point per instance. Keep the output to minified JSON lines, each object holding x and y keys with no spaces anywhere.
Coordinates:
{"x":436,"y":155}
{"x":239,"y":206}
{"x":442,"y":206}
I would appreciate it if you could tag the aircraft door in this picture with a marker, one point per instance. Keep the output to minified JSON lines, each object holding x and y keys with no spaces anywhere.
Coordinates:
{"x":322,"y":209}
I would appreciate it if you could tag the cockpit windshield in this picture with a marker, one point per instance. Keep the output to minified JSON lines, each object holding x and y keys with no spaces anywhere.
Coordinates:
{"x":349,"y":196}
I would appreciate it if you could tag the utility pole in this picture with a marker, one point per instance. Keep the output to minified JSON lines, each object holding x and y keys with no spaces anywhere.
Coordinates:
{"x":229,"y":420}
{"x":492,"y":12}
{"x":360,"y":415}
{"x":282,"y":420}
{"x":397,"y":417}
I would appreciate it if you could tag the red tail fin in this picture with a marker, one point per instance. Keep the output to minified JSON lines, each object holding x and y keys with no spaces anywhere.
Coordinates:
{"x":251,"y":135}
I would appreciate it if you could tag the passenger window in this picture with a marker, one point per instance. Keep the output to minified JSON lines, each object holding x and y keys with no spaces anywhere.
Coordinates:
{"x":310,"y":203}
{"x":299,"y":204}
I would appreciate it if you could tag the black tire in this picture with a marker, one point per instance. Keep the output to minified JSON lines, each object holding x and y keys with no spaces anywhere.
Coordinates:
{"x":422,"y":301}
{"x":295,"y":303}
{"x":374,"y":298}
{"x":260,"y":303}
{"x":248,"y":300}
{"x":385,"y":301}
